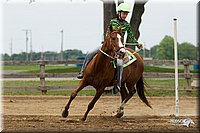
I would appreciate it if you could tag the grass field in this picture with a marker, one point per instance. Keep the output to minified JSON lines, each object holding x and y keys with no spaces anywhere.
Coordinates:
{"x":149,"y":81}
{"x":70,"y":69}
{"x":48,"y":68}
{"x":150,"y":92}
{"x":159,"y":93}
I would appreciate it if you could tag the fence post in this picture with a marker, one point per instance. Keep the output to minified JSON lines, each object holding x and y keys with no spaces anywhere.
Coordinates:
{"x":187,"y":74}
{"x":42,"y":78}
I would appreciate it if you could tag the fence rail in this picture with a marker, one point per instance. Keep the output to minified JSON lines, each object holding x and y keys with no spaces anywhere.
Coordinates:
{"x":42,"y":75}
{"x":73,"y":75}
{"x":147,"y":62}
{"x":44,"y":88}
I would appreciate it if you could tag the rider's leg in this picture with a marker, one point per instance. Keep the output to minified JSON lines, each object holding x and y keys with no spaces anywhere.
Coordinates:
{"x":119,"y":71}
{"x":116,"y":88}
{"x":88,"y":58}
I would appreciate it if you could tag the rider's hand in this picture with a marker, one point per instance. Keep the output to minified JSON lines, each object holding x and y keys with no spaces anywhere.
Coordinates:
{"x":123,"y":50}
{"x":140,"y":46}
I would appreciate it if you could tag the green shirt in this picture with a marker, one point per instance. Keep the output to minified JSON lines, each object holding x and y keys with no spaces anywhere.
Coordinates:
{"x":125,"y":26}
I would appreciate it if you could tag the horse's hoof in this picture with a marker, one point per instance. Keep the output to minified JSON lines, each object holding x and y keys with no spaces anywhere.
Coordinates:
{"x":65,"y":113}
{"x":119,"y":115}
{"x":83,"y":119}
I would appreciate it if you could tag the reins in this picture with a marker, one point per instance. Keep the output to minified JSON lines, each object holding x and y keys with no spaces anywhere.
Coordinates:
{"x":113,"y":57}
{"x":120,"y":48}
{"x":106,"y":54}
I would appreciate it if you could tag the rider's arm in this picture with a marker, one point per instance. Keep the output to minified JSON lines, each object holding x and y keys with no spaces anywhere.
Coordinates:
{"x":132,"y":38}
{"x":114,"y":25}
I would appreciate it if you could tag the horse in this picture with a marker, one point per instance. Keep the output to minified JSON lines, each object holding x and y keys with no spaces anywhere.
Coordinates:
{"x":100,"y":73}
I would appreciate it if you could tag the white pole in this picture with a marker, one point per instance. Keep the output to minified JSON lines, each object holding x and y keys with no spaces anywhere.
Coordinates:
{"x":176,"y":67}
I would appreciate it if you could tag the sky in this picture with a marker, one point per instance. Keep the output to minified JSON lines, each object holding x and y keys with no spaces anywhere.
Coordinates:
{"x":82,"y":23}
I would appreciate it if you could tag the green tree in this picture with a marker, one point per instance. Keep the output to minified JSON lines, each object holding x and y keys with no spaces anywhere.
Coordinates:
{"x":144,"y":52}
{"x":187,"y":51}
{"x":51,"y":55}
{"x":153,"y":51}
{"x":19,"y":57}
{"x":5,"y":57}
{"x":36,"y":56}
{"x":72,"y":54}
{"x":165,"y":49}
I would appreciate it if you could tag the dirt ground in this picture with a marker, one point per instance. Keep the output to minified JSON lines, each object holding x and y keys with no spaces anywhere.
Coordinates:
{"x":43,"y":113}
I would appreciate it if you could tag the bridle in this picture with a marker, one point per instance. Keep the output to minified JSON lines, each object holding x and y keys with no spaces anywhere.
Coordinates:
{"x":106,"y":54}
{"x":115,"y":51}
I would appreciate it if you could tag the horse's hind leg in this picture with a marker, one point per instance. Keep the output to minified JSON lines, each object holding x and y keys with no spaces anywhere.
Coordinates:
{"x":73,"y":95}
{"x":132,"y":91}
{"x":92,"y":103}
{"x":120,"y":110}
{"x":124,"y":94}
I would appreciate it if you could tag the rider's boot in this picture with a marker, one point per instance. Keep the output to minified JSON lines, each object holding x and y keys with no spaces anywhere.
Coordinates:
{"x":116,"y":89}
{"x":80,"y":75}
{"x":87,"y":59}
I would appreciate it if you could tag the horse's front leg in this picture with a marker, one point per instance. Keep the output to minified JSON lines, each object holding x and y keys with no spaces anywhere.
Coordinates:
{"x":72,"y":96}
{"x":92,"y":103}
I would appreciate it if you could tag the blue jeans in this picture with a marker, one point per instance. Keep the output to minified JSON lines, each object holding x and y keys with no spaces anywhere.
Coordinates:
{"x":89,"y":56}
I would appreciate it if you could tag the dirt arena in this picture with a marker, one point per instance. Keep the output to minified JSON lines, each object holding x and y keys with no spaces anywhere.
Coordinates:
{"x":43,"y":113}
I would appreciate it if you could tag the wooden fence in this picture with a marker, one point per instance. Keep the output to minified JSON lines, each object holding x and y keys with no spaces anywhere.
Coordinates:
{"x":147,"y":62}
{"x":42,"y":75}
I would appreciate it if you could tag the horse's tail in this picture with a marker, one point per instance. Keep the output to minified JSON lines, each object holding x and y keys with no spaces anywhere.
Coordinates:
{"x":140,"y":91}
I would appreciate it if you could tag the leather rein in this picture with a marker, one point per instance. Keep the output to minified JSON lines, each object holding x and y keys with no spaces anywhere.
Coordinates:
{"x":108,"y":54}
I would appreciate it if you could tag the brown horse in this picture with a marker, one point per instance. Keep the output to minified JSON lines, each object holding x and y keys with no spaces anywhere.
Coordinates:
{"x":99,"y":73}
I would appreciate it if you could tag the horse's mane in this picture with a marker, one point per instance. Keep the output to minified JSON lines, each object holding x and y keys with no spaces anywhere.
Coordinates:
{"x":107,"y":46}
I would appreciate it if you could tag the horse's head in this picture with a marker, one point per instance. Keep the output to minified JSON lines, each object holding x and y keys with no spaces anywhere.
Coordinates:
{"x":113,"y":41}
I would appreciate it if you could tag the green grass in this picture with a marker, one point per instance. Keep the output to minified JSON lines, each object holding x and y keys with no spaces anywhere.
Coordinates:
{"x":166,"y":69}
{"x":37,"y":83}
{"x":149,"y":81}
{"x":49,"y":92}
{"x":48,"y":68}
{"x":70,"y":69}
{"x":148,"y":93}
{"x":21,"y":67}
{"x":164,"y":93}
{"x":160,"y":69}
{"x":164,"y":82}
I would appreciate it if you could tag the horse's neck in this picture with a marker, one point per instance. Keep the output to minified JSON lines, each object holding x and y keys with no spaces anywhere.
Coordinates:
{"x":102,"y":61}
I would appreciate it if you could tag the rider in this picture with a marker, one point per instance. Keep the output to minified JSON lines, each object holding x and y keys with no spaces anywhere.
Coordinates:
{"x":123,"y":9}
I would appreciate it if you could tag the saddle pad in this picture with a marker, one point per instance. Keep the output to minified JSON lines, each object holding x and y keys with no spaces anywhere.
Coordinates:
{"x":129,"y":58}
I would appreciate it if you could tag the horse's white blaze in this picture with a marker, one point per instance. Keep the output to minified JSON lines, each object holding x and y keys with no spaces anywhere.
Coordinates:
{"x":121,"y":44}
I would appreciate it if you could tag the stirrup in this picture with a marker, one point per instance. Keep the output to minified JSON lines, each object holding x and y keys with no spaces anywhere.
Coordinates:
{"x":80,"y":76}
{"x":115,"y":89}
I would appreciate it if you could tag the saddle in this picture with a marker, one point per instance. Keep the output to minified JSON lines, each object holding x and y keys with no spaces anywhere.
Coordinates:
{"x":128,"y":59}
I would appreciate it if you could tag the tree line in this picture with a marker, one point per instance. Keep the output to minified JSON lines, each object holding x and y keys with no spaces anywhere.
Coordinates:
{"x":162,"y":51}
{"x":70,"y":54}
{"x":165,"y":50}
